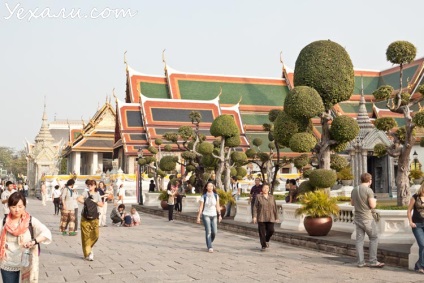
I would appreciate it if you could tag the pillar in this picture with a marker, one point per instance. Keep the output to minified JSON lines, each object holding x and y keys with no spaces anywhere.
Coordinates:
{"x":95,"y":163}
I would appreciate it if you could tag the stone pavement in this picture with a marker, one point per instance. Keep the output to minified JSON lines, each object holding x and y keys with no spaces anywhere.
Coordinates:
{"x":162,"y":251}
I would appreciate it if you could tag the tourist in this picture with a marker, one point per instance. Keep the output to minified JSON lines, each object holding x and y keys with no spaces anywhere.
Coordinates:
{"x":43,"y":192}
{"x":56,"y":199}
{"x":416,"y":221}
{"x":292,"y":196}
{"x":179,"y":197}
{"x":20,"y":188}
{"x":136,"y":220}
{"x":89,"y":228}
{"x":210,"y":210}
{"x":67,"y":221}
{"x":152,"y":186}
{"x":265,"y":214}
{"x":26,"y":189}
{"x":362,"y":198}
{"x":103,"y":210}
{"x":121,"y":193}
{"x":172,"y":193}
{"x":109,"y":193}
{"x":75,"y":201}
{"x":20,"y":231}
{"x":5,"y":195}
{"x":117,"y":215}
{"x":254,"y":191}
{"x":235,"y":194}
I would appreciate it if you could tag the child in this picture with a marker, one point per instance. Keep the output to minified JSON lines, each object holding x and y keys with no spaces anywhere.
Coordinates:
{"x":136,"y":220}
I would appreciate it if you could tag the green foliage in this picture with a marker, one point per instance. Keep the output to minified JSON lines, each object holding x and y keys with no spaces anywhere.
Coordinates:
{"x":224,"y":197}
{"x":239,"y":157}
{"x":380,"y":150}
{"x":343,"y":199}
{"x":273,"y":114}
{"x":195,"y":117}
{"x":345,"y":174}
{"x":158,"y":141}
{"x":422,"y":142}
{"x":284,"y":128}
{"x":250,"y":153}
{"x":302,"y":142}
{"x":232,"y":141}
{"x":190,"y":168}
{"x":303,"y":102}
{"x":271,"y":145}
{"x":208,"y":160}
{"x":401,"y":134}
{"x":339,"y":147}
{"x":186,"y":132}
{"x":168,"y":163}
{"x":305,"y":187}
{"x":317,"y":204}
{"x":168,"y":147}
{"x":271,"y":136}
{"x":161,"y":173}
{"x":188,"y":155}
{"x":301,"y":161}
{"x":383,"y":92}
{"x":416,"y":174}
{"x":205,"y":148}
{"x":224,"y":126}
{"x":401,"y":52}
{"x":152,"y":149}
{"x":344,"y":129}
{"x":241,"y":172}
{"x":325,"y":66}
{"x":419,"y":119}
{"x":267,"y":127}
{"x":338,"y":162}
{"x":151,"y":175}
{"x":163,"y":195}
{"x":420,"y":89}
{"x":385,"y":124}
{"x":172,"y":137}
{"x":257,"y":142}
{"x":322,"y":178}
{"x":391,"y":207}
{"x":263,"y":156}
{"x":233,"y":172}
{"x":404,"y":98}
{"x":306,"y":173}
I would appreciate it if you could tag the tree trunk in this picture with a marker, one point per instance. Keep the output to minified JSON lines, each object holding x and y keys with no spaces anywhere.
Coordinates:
{"x":324,"y":151}
{"x":220,"y":167}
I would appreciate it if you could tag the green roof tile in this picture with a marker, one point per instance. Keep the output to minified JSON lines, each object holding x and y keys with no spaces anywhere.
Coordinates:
{"x":252,"y":94}
{"x":254,"y":119}
{"x":154,"y":90}
{"x":370,"y":84}
{"x":393,"y":78}
{"x":353,"y":107}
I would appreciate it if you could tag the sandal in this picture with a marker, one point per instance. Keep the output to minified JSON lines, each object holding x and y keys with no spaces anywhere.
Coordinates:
{"x":377,"y":265}
{"x":420,"y":270}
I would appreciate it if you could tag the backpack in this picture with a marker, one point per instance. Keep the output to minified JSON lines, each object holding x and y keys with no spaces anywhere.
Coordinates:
{"x":89,"y":211}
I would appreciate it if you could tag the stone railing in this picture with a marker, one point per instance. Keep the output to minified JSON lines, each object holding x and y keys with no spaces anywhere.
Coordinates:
{"x":244,"y":213}
{"x":289,"y":220}
{"x":344,"y":191}
{"x":191,"y":203}
{"x":151,"y":199}
{"x":344,"y":220}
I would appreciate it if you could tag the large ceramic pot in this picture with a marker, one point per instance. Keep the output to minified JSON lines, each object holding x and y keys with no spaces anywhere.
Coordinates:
{"x":317,"y":226}
{"x":164,"y":204}
{"x":418,"y":181}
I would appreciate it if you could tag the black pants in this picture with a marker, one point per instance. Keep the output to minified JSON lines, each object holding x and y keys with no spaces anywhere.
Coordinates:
{"x":266,"y":229}
{"x":170,"y":212}
{"x":179,"y":204}
{"x":76,"y":219}
{"x":56,"y":202}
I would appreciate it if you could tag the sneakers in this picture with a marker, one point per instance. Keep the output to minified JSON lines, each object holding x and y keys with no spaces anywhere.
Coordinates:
{"x":210,"y":250}
{"x":91,"y":256}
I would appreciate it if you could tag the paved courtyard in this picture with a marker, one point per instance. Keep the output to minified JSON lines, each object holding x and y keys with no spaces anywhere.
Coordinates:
{"x":159,"y":251}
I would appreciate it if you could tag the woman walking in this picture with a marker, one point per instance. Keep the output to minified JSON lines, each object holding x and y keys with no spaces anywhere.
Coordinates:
{"x":210,"y":210}
{"x":89,"y":228}
{"x":67,"y":220}
{"x":172,"y":193}
{"x":265,"y":214}
{"x":104,"y":196}
{"x":416,"y":221}
{"x":56,"y":199}
{"x":20,"y":232}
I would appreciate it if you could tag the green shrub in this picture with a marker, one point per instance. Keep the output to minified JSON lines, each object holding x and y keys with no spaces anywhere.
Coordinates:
{"x":344,"y":129}
{"x":303,"y":102}
{"x":380,"y":150}
{"x":383,"y":92}
{"x":343,"y":199}
{"x":205,"y":148}
{"x":305,"y":187}
{"x":302,"y":142}
{"x":317,"y":204}
{"x":301,"y":161}
{"x":345,"y":174}
{"x":224,"y":197}
{"x":416,"y":174}
{"x":306,"y":173}
{"x":401,"y":52}
{"x":385,"y":124}
{"x":419,"y":119}
{"x":163,"y":195}
{"x":224,"y":126}
{"x":322,"y":178}
{"x":338,"y":162}
{"x":168,"y":163}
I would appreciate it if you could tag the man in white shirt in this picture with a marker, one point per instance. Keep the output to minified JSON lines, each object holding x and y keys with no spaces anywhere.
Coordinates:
{"x":5,"y":196}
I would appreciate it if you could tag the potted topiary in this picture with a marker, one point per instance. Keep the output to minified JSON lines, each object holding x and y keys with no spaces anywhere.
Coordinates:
{"x":163,"y":197}
{"x":346,"y":176}
{"x":416,"y":175}
{"x":318,"y":207}
{"x":224,"y":198}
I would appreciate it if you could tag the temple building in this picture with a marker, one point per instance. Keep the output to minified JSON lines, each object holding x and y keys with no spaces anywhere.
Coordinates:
{"x":89,"y":150}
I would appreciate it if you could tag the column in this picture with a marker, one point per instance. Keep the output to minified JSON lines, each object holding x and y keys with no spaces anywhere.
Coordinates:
{"x":77,"y":162}
{"x":95,"y":163}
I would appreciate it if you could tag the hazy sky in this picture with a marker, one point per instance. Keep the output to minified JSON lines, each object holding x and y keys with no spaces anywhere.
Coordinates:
{"x":76,"y":59}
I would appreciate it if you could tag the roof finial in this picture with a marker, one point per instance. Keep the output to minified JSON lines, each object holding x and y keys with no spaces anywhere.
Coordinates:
{"x":220,"y":91}
{"x":114,"y":95}
{"x":285,"y":75}
{"x":241,"y":98}
{"x":164,"y":61}
{"x":83,"y":123}
{"x":125,"y":60}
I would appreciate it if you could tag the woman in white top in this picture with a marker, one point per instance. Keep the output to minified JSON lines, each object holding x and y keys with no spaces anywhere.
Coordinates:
{"x":56,"y":199}
{"x":210,"y":210}
{"x":16,"y":237}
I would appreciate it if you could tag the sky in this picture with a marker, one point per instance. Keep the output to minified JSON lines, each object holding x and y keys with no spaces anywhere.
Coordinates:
{"x":70,"y":54}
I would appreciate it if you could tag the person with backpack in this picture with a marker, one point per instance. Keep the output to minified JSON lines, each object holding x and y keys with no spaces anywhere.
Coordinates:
{"x":90,"y":219}
{"x":210,"y":211}
{"x":67,"y":220}
{"x":20,"y":235}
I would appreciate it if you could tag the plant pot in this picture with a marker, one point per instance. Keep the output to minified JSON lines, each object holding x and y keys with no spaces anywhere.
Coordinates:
{"x":164,"y":205}
{"x":223,"y":210}
{"x":347,"y":182}
{"x":418,"y":181}
{"x":319,"y":226}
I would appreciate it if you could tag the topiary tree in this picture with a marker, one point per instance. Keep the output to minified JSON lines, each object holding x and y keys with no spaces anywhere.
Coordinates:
{"x":400,"y":53}
{"x":224,"y":128}
{"x":323,"y":77}
{"x":338,"y":162}
{"x":322,"y":178}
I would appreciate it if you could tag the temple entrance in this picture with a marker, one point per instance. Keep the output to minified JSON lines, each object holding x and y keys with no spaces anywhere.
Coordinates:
{"x":380,"y":171}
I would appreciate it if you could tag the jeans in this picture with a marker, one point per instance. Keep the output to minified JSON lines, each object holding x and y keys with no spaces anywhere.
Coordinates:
{"x":170,"y":212}
{"x":370,"y":228}
{"x":419,"y":236}
{"x":211,"y":229}
{"x":179,"y":203}
{"x":10,"y":276}
{"x":266,"y":229}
